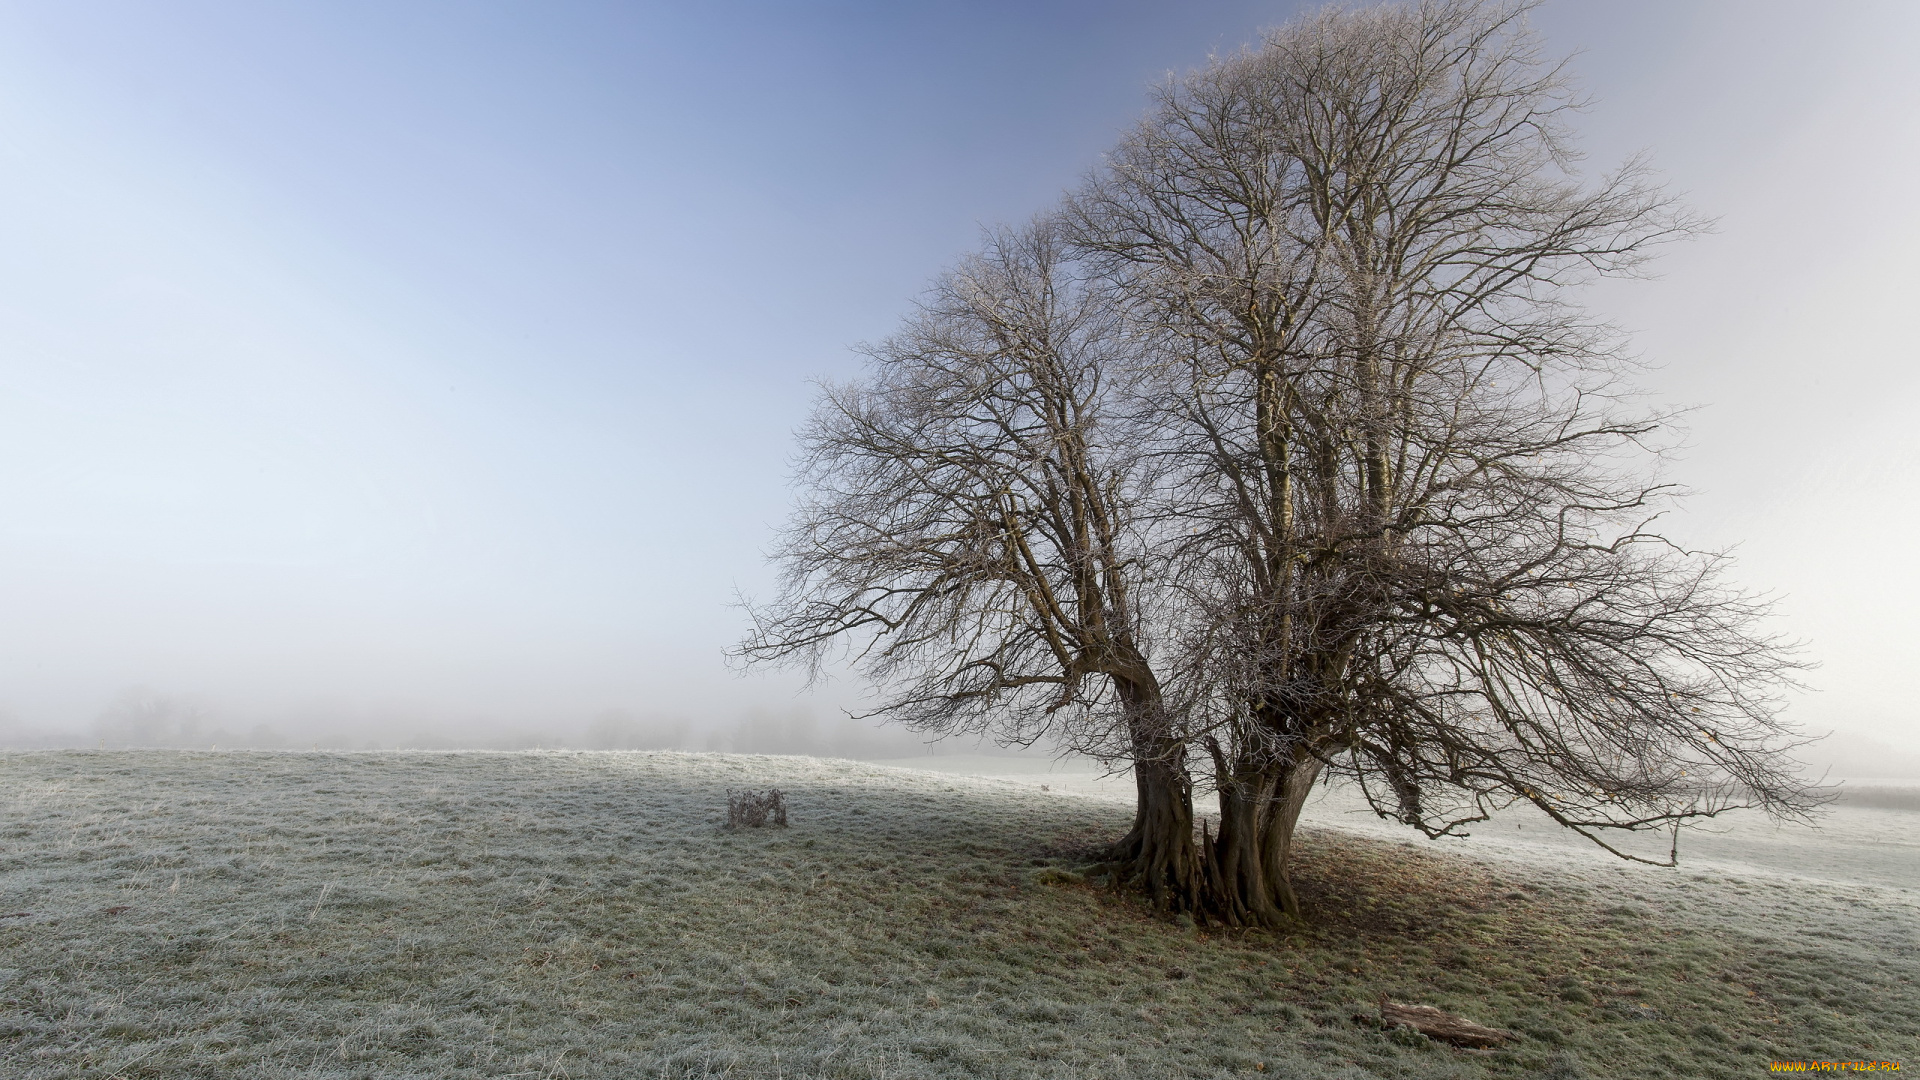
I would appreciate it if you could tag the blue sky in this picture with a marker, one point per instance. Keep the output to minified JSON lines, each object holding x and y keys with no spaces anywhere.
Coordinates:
{"x":438,"y":361}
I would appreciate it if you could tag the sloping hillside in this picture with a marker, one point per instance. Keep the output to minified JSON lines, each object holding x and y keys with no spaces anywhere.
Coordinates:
{"x":262,"y":914}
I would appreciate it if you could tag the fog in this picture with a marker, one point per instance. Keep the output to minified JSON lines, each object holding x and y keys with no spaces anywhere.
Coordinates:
{"x":143,"y":718}
{"x":425,"y":375}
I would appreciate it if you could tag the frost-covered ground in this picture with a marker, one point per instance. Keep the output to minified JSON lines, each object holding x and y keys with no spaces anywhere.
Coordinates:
{"x":387,"y":914}
{"x":1870,"y":837}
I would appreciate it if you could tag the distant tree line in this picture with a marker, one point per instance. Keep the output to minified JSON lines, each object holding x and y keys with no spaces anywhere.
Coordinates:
{"x":756,"y":731}
{"x":143,"y":717}
{"x":1281,"y":449}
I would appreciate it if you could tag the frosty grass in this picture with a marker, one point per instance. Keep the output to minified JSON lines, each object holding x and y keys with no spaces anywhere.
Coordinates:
{"x":556,"y":914}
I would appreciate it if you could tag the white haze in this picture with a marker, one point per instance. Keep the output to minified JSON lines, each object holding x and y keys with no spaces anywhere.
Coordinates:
{"x":425,"y":376}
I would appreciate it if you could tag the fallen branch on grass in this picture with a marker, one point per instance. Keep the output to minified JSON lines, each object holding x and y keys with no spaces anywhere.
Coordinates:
{"x":1444,"y":1026}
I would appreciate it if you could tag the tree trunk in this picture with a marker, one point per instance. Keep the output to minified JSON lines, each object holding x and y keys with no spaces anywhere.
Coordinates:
{"x":1161,"y":858}
{"x":1238,"y":893}
{"x":1158,"y":856}
{"x":1248,"y":870}
{"x":1296,"y":784}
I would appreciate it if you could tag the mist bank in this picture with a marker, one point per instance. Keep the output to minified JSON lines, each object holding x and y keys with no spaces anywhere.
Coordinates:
{"x":142,"y":718}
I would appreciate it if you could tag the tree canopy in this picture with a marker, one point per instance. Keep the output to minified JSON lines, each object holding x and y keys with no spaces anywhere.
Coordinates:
{"x":1282,"y":448}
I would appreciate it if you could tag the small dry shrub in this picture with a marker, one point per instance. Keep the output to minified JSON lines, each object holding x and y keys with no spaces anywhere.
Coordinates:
{"x":756,"y":809}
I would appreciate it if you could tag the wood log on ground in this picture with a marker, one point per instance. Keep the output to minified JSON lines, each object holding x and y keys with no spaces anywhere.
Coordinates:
{"x":1444,"y":1026}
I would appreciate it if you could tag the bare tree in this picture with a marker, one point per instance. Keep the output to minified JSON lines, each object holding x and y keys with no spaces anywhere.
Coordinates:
{"x":1285,"y":450}
{"x":1418,"y":554}
{"x":969,"y":534}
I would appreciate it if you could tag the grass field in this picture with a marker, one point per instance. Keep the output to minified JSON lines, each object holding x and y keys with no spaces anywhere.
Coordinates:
{"x":551,"y":914}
